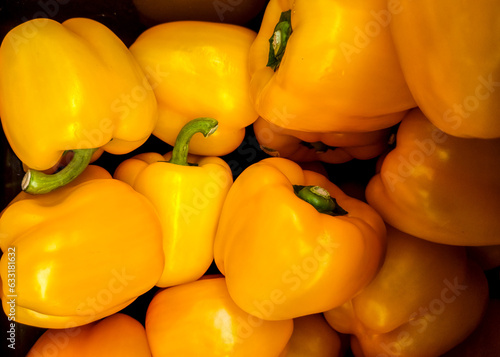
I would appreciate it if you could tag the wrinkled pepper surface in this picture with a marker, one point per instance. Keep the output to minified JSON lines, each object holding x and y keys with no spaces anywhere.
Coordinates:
{"x":116,"y":335}
{"x":426,"y":299}
{"x":71,"y":86}
{"x":200,"y":319}
{"x":309,"y":247}
{"x":188,"y":192}
{"x":439,"y":187}
{"x":451,"y":62}
{"x":329,"y":147}
{"x":327,"y":66}
{"x":313,"y":337}
{"x":79,"y":253}
{"x":201,"y":70}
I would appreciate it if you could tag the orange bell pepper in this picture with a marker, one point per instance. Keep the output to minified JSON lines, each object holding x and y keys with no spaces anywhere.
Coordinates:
{"x":308,"y":247}
{"x":451,"y":62}
{"x":426,"y":299}
{"x":326,"y":66}
{"x":188,"y":192}
{"x":200,"y":319}
{"x":313,"y":337}
{"x":329,"y":147}
{"x":116,"y":335}
{"x":439,"y":187}
{"x":77,"y":254}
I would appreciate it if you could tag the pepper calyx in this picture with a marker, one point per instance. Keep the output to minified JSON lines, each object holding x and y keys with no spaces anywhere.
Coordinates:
{"x":320,"y":199}
{"x":279,"y":39}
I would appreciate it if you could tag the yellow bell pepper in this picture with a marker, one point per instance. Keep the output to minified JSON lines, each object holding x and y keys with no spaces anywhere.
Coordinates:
{"x":321,"y":66}
{"x":188,"y":192}
{"x":439,"y":187}
{"x":79,"y":253}
{"x":451,"y":62}
{"x":313,"y":337}
{"x":116,"y":335}
{"x":200,"y":319}
{"x":426,"y":299}
{"x":202,"y":71}
{"x":329,"y":147}
{"x":71,"y":86}
{"x":290,"y":243}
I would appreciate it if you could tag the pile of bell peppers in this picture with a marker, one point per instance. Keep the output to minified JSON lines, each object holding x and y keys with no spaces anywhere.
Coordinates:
{"x":315,"y":179}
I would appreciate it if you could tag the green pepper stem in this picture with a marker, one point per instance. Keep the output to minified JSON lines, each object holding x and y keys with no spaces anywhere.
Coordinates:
{"x":320,"y":199}
{"x":206,"y":126}
{"x":279,"y":40}
{"x":36,"y":182}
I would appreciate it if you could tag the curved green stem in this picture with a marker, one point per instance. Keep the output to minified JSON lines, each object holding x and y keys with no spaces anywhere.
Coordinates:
{"x":279,"y":40}
{"x":206,"y":126}
{"x":36,"y":182}
{"x":320,"y":199}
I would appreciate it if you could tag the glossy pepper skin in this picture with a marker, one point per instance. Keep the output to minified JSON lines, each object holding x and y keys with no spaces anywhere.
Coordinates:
{"x":293,"y":260}
{"x":200,"y":319}
{"x":313,"y":337}
{"x":81,"y":253}
{"x":188,"y":195}
{"x":85,"y":90}
{"x":201,"y":71}
{"x":438,"y":187}
{"x":328,"y":147}
{"x":116,"y":335}
{"x":426,"y":299}
{"x":337,"y":72}
{"x":452,"y":72}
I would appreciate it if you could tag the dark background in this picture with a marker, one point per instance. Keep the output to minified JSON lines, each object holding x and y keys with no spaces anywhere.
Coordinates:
{"x":124,"y":20}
